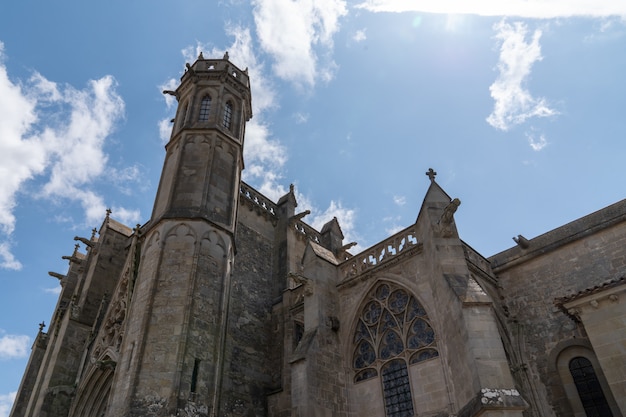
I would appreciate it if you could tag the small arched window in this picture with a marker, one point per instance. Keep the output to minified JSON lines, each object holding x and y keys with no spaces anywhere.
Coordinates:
{"x":588,"y":387}
{"x":205,"y":107}
{"x":228,"y":115}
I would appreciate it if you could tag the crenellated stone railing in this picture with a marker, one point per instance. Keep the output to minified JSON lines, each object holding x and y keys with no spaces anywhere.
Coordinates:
{"x":381,"y":253}
{"x":257,"y":200}
{"x":307,"y":231}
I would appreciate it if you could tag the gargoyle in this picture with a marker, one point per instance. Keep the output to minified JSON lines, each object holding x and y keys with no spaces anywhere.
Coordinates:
{"x":87,"y":242}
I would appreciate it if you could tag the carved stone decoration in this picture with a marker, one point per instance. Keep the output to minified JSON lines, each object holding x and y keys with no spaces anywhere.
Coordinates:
{"x":111,"y":331}
{"x":447,"y":218}
{"x":74,"y":309}
{"x":575,"y":313}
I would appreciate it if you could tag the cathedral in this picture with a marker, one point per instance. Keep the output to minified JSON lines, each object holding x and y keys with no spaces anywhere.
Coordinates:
{"x":226,"y":303}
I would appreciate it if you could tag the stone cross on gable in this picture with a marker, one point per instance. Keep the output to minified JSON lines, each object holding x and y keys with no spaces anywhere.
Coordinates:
{"x":431,"y":174}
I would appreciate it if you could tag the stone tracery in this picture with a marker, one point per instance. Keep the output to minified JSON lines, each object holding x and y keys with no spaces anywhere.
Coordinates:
{"x":392,"y":324}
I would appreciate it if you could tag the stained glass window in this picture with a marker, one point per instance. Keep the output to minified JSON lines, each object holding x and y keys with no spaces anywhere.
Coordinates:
{"x":205,"y":106}
{"x":392,"y":331}
{"x":396,"y":389}
{"x":589,"y":389}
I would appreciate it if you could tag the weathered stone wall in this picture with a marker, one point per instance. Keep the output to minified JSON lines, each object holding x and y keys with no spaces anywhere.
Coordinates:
{"x":249,"y":342}
{"x":560,"y":263}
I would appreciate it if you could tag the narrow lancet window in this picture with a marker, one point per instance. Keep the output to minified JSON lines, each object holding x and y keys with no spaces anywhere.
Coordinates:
{"x":228,"y":115}
{"x":205,"y":107}
{"x":194,"y":379}
{"x":588,"y":387}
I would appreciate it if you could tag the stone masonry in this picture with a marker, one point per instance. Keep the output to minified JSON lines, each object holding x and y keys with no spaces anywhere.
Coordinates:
{"x":225,"y":303}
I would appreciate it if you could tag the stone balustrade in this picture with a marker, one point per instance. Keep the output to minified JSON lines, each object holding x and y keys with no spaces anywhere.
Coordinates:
{"x":381,"y":253}
{"x":307,"y":231}
{"x":257,"y":199}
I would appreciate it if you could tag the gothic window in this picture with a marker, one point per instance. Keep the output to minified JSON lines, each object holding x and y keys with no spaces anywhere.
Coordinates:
{"x":588,"y":387}
{"x":393,"y":332}
{"x":205,"y":107}
{"x":228,"y":115}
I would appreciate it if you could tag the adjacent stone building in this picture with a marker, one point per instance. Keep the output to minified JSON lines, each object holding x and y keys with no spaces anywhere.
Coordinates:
{"x":228,"y":304}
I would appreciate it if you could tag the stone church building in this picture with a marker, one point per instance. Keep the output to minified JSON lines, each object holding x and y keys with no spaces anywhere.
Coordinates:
{"x":228,"y":304}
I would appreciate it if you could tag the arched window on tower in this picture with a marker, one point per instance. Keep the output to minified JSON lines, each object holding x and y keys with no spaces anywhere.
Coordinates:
{"x":392,"y":333}
{"x":588,"y":387}
{"x":228,"y":115}
{"x":205,"y":107}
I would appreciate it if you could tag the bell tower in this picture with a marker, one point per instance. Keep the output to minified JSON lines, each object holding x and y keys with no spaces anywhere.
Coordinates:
{"x":204,"y":158}
{"x":173,"y":349}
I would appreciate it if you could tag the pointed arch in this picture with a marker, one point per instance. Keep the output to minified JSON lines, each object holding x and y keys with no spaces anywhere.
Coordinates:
{"x":92,"y":396}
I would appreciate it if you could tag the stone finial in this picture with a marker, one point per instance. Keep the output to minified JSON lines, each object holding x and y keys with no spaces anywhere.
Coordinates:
{"x":42,"y":325}
{"x":108,"y":212}
{"x":226,"y":55}
{"x":93,"y":233}
{"x":431,"y":173}
{"x":200,"y":56}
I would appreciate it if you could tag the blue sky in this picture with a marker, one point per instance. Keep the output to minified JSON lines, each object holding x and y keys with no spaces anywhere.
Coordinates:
{"x":520,"y":106}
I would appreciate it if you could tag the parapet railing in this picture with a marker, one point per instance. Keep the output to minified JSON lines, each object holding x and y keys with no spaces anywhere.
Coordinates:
{"x":307,"y":231}
{"x":381,"y":253}
{"x":257,"y":199}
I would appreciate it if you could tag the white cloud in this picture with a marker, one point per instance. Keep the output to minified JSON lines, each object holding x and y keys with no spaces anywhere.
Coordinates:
{"x":513,"y":102}
{"x":54,"y":290}
{"x":345,"y":216}
{"x":291,"y":31}
{"x":165,"y":129}
{"x":169,"y":85}
{"x":301,"y":118}
{"x":56,"y":133}
{"x":6,"y":403}
{"x":542,"y":9}
{"x":399,"y":200}
{"x":127,"y":179}
{"x":13,"y":346}
{"x":359,"y":36}
{"x":126,"y":216}
{"x":537,"y":143}
{"x":20,"y":158}
{"x":392,"y":230}
{"x":7,"y":259}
